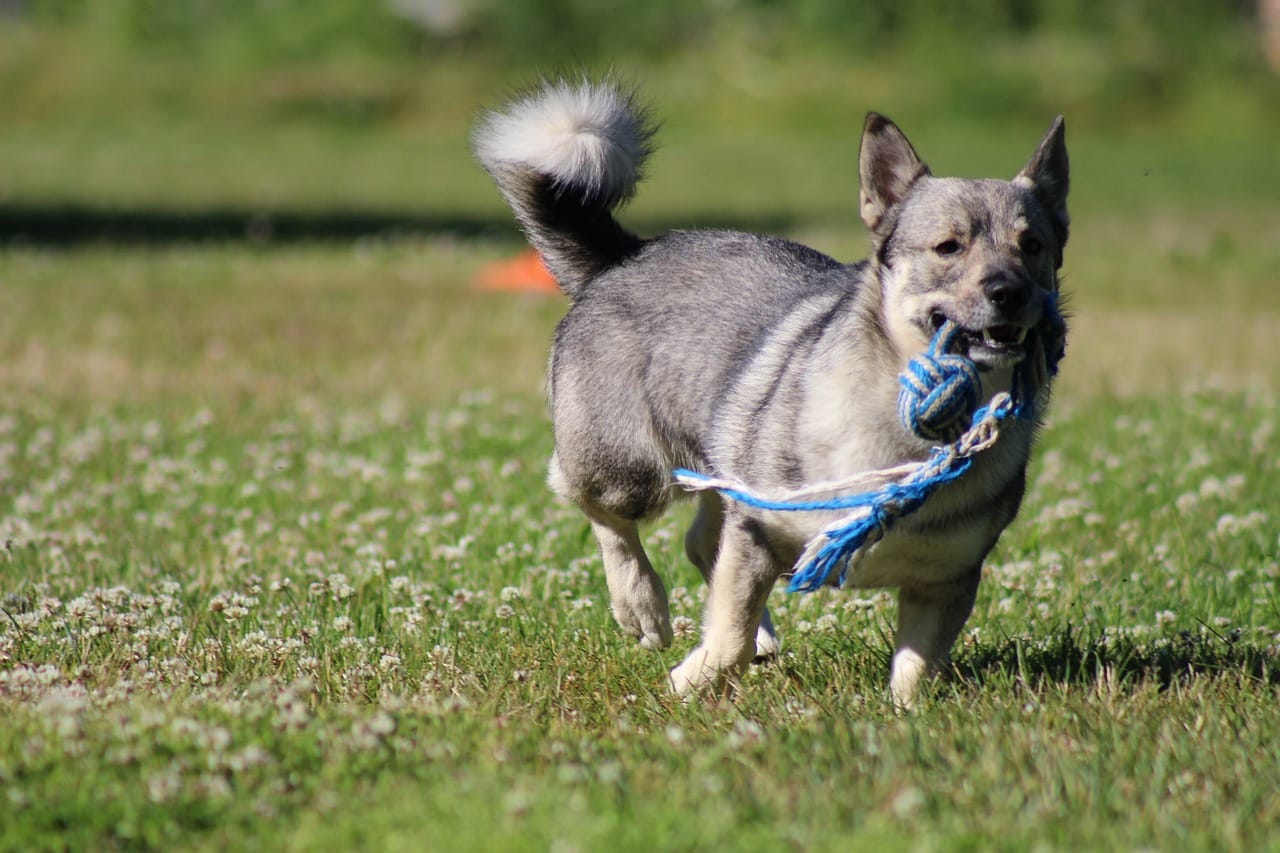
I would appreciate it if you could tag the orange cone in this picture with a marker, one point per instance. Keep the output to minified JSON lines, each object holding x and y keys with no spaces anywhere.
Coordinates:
{"x":525,"y":273}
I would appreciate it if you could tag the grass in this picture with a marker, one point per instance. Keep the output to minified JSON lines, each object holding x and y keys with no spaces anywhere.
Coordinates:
{"x":280,"y":569}
{"x":346,"y":624}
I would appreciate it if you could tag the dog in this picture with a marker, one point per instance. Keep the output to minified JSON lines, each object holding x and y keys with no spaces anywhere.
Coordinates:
{"x":758,"y":359}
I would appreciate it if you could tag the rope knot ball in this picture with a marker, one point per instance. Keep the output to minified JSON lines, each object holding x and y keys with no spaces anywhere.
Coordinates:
{"x":939,"y":390}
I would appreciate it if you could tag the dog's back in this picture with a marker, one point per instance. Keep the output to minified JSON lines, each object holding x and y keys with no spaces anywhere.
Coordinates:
{"x":660,"y":340}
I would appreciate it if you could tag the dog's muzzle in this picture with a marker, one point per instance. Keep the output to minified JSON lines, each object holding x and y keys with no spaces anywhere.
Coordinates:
{"x":995,"y":346}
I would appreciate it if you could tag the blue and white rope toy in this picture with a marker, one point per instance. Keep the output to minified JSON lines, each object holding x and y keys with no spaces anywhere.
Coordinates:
{"x":938,"y":391}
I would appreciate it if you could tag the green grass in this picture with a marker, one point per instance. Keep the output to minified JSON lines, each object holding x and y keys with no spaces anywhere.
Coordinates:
{"x":328,"y":622}
{"x":280,"y":569}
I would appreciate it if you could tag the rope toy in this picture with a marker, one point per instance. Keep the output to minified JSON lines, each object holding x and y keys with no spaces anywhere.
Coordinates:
{"x":937,"y":392}
{"x":939,"y":389}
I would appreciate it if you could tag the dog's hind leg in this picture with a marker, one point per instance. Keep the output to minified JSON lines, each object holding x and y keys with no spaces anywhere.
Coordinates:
{"x":636,"y":593}
{"x":702,"y":544}
{"x":929,"y":620}
{"x":740,"y":583}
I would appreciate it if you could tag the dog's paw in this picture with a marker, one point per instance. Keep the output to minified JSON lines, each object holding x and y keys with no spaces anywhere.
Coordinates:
{"x":908,"y":673}
{"x":767,"y":649}
{"x":695,"y":675}
{"x":646,"y":618}
{"x":653,"y":633}
{"x":767,"y":643}
{"x":657,"y":640}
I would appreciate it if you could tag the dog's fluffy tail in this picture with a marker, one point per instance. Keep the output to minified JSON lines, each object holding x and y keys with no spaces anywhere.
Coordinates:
{"x":564,"y":158}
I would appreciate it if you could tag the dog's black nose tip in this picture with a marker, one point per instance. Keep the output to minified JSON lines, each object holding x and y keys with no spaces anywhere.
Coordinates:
{"x":1008,"y":295}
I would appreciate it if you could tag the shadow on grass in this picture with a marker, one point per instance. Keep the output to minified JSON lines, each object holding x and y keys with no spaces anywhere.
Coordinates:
{"x":1069,"y":658}
{"x":75,"y":224}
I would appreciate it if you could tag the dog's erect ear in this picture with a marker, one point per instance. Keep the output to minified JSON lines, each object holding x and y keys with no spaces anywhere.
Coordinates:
{"x":887,"y":167}
{"x":1047,"y":174}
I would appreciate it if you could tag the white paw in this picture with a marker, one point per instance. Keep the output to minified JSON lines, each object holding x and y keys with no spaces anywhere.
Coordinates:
{"x":908,"y":671}
{"x":767,"y":643}
{"x":645,"y":617}
{"x":695,"y":674}
{"x":656,"y":640}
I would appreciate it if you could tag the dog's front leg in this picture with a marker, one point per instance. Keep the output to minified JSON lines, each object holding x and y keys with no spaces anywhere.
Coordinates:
{"x":929,"y":620}
{"x":702,"y":544}
{"x":743,"y":576}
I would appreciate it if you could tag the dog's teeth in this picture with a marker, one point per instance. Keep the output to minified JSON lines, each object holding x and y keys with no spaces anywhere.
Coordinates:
{"x":1018,"y":336}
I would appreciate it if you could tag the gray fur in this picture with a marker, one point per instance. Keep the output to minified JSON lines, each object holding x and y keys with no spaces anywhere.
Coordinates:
{"x":756,"y":358}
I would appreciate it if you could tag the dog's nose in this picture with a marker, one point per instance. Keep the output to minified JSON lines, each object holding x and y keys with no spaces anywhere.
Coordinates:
{"x":1008,"y":295}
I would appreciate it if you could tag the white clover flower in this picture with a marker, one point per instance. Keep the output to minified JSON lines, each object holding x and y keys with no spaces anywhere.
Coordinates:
{"x":382,"y":724}
{"x":213,"y":739}
{"x":745,"y":732}
{"x":80,"y":608}
{"x":1229,"y":524}
{"x":856,"y":604}
{"x":339,"y":587}
{"x":214,"y":786}
{"x":49,"y":606}
{"x":164,"y":786}
{"x":1165,"y":618}
{"x":248,"y":758}
{"x":452,"y":552}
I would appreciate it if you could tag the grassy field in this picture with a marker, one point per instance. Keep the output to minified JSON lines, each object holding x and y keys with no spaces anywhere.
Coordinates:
{"x":280,"y":570}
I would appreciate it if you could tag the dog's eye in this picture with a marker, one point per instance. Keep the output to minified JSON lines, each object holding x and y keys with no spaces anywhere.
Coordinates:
{"x":947,"y":247}
{"x":1031,"y":246}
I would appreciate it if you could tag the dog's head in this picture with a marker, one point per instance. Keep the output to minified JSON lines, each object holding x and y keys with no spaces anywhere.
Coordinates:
{"x":984,"y":254}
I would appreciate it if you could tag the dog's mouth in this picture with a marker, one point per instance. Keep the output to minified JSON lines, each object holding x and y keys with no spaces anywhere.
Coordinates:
{"x":995,"y":346}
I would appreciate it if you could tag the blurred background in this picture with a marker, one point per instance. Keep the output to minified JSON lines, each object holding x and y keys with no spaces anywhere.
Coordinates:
{"x":360,"y":109}
{"x":278,"y":121}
